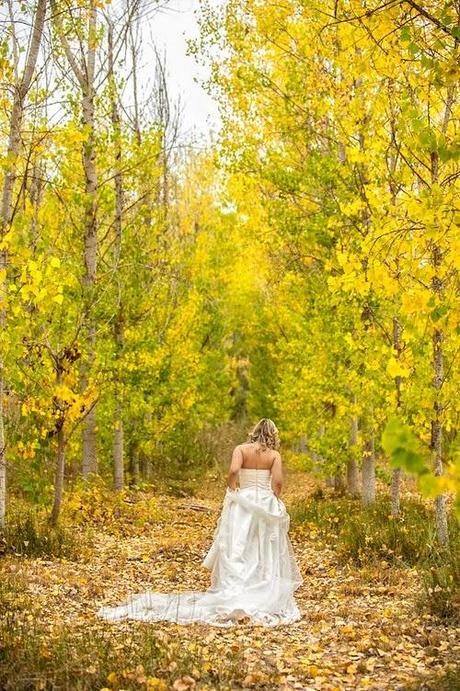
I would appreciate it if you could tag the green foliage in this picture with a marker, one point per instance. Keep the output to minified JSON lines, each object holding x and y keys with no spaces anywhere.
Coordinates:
{"x":404,"y":451}
{"x":402,"y":447}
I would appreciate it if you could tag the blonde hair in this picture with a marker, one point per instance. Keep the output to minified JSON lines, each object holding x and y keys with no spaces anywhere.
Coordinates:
{"x":266,"y":433}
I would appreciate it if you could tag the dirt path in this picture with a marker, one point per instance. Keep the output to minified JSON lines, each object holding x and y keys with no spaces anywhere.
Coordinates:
{"x":360,"y":630}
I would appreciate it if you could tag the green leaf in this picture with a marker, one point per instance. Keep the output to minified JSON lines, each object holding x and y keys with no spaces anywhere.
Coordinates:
{"x":427,"y":138}
{"x":405,"y":34}
{"x":402,"y":446}
{"x":429,"y":485}
{"x":439,"y":312}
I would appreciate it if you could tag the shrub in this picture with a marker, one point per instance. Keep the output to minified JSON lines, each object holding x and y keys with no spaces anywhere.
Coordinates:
{"x":370,"y":534}
{"x":93,"y":502}
{"x":373,"y":533}
{"x":367,"y":533}
{"x":441,"y":583}
{"x":321,"y":513}
{"x":28,"y":533}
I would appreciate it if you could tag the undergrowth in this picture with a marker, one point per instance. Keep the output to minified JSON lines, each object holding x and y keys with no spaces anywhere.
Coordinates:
{"x":93,"y":655}
{"x":93,"y":502}
{"x":28,"y":533}
{"x":448,"y":680}
{"x":366,"y":535}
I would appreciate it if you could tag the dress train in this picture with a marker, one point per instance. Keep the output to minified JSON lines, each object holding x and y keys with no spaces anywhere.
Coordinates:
{"x":253,"y":568}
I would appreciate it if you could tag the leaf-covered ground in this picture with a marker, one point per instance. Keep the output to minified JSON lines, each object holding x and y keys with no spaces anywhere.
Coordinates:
{"x":361,"y":628}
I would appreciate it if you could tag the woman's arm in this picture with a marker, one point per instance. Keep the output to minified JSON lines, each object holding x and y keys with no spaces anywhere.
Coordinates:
{"x":235,"y":465}
{"x":277,"y":475}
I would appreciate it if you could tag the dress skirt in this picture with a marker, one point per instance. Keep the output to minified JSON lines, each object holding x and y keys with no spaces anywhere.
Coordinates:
{"x":254,"y":573}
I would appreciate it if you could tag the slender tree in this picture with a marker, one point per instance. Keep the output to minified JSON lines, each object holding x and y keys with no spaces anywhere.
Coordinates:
{"x":83,"y":65}
{"x":21,"y":88}
{"x":118,"y":455}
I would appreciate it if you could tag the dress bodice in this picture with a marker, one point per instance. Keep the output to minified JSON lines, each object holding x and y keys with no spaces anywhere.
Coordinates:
{"x":255,"y":477}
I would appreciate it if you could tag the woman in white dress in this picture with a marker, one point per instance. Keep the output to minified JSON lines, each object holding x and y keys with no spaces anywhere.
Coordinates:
{"x":253,"y":569}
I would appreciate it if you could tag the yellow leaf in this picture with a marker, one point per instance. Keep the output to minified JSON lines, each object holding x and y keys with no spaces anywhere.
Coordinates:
{"x":396,"y":369}
{"x":156,"y":683}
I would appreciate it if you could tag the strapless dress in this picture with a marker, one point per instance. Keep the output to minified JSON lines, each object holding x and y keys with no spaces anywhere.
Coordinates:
{"x":253,"y":568}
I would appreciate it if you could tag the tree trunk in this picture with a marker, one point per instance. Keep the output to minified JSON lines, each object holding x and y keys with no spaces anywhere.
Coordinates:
{"x":118,"y":454}
{"x":89,"y":461}
{"x":395,"y":491}
{"x":368,"y":472}
{"x":134,"y":465}
{"x":134,"y":57}
{"x":352,"y":466}
{"x":339,"y":483}
{"x":352,"y":477}
{"x":397,"y":472}
{"x":36,"y":193}
{"x":2,"y":456}
{"x":59,"y":476}
{"x":437,"y":287}
{"x":146,"y":468}
{"x":60,"y":455}
{"x":436,"y":437}
{"x":84,"y":71}
{"x":118,"y":465}
{"x":21,"y":89}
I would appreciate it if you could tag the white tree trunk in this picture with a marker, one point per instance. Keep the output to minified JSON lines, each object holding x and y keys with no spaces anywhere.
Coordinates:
{"x":2,"y":455}
{"x":352,"y":466}
{"x":89,"y":460}
{"x":368,"y":473}
{"x":437,"y":287}
{"x":118,"y":465}
{"x":436,"y":437}
{"x":59,"y":476}
{"x":397,"y":472}
{"x":118,"y":452}
{"x":84,"y":71}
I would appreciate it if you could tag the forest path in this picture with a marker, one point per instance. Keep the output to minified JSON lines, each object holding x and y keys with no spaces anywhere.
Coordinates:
{"x":361,"y":629}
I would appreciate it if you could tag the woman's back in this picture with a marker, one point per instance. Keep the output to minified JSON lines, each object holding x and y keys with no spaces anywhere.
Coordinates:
{"x":254,"y":456}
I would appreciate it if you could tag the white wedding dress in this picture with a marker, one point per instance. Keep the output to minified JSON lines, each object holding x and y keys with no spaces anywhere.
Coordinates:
{"x":253,"y":568}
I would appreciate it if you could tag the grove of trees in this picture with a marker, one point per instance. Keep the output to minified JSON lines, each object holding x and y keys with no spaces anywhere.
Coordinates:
{"x":304,"y":266}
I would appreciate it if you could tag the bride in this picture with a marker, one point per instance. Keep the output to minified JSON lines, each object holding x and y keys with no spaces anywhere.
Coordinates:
{"x":253,"y":569}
